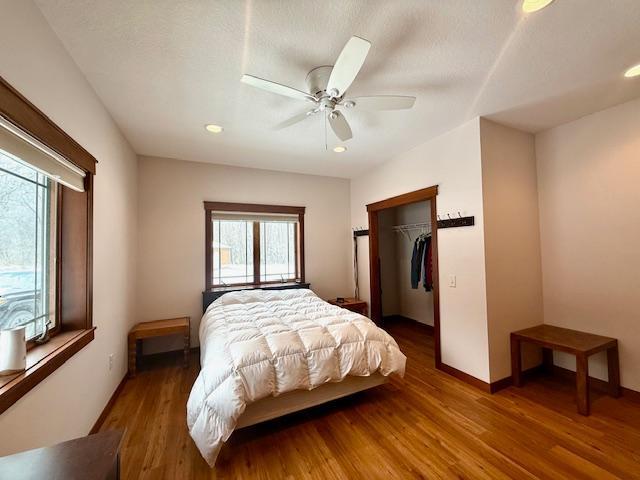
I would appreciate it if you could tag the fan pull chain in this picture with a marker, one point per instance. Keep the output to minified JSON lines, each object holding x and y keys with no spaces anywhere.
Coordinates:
{"x":325,"y":134}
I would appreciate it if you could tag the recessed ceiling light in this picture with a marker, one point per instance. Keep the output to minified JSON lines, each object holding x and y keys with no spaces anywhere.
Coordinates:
{"x":213,"y":128}
{"x":530,"y":6}
{"x":340,"y":149}
{"x":633,"y":71}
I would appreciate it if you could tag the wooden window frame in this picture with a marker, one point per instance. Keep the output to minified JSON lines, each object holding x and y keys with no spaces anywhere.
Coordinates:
{"x":210,"y":207}
{"x":74,"y":249}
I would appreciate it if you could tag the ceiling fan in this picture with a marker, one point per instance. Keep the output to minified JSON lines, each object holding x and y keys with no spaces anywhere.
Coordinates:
{"x":327,"y":87}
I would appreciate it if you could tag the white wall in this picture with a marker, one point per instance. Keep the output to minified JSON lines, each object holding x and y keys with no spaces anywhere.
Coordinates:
{"x":171,"y":230}
{"x":512,"y":241}
{"x":453,"y":162}
{"x":588,"y":176}
{"x":68,"y":402}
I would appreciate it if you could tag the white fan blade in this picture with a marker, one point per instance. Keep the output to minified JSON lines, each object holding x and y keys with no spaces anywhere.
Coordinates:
{"x":295,"y":119}
{"x":274,"y":87}
{"x":383,"y":102}
{"x":340,"y":126}
{"x":348,"y":65}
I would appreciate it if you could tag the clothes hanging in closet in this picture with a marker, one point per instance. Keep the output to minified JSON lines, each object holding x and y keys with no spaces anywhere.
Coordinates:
{"x":427,"y":279}
{"x":421,"y":266}
{"x":416,"y":261}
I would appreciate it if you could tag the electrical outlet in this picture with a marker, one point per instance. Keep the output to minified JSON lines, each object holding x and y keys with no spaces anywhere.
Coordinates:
{"x":110,"y":361}
{"x":452,"y":281}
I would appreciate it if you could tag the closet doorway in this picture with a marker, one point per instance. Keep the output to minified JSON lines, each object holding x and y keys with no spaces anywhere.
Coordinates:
{"x":392,"y":221}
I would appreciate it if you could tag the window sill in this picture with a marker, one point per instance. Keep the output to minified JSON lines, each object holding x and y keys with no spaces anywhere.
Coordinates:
{"x":42,"y":361}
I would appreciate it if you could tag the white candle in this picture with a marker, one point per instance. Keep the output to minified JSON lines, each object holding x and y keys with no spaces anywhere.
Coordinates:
{"x":13,"y":351}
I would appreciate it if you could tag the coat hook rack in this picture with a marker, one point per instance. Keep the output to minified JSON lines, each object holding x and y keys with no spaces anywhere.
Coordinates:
{"x":454,"y":222}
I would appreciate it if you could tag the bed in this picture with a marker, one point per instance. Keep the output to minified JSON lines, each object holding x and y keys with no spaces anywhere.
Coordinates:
{"x":266,"y":353}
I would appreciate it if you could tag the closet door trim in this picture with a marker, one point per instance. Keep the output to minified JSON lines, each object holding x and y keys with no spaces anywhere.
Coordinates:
{"x":425,"y":194}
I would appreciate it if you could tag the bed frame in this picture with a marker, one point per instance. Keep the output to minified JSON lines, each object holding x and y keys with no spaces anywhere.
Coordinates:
{"x":274,"y":407}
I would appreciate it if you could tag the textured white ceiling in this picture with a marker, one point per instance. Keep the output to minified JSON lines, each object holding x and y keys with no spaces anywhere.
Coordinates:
{"x":164,"y":68}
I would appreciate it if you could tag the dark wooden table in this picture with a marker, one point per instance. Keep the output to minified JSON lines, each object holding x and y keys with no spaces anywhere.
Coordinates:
{"x":158,"y":328}
{"x":96,"y":457}
{"x":580,"y":344}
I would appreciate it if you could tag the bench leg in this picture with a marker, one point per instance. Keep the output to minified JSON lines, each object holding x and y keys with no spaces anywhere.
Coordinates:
{"x":187,"y":348}
{"x":582,"y":384}
{"x":547,"y":360}
{"x":132,"y":356}
{"x":613,"y":363}
{"x":516,"y":362}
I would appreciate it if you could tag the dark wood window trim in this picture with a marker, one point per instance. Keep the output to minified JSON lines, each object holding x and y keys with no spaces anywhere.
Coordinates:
{"x":74,"y":273}
{"x":210,"y":207}
{"x":21,"y":112}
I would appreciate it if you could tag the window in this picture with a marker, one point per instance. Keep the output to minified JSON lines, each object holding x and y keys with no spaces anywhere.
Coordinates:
{"x":46,"y":217}
{"x":278,"y":251}
{"x":253,"y":244}
{"x":232,"y":252}
{"x":27,"y":247}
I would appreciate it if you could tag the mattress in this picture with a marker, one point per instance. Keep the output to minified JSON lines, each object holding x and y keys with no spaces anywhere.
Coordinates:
{"x":260,"y":343}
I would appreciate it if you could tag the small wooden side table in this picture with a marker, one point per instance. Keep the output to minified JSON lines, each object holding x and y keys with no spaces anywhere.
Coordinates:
{"x":158,"y":328}
{"x":580,"y":344}
{"x":354,"y":304}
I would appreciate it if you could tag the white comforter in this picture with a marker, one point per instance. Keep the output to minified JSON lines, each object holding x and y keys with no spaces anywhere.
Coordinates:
{"x":258,"y":343}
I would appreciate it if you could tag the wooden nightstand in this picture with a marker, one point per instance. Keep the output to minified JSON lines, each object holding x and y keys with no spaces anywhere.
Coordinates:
{"x":353,"y":304}
{"x":157,"y":328}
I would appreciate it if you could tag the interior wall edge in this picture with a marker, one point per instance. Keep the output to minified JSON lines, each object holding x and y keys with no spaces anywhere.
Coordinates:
{"x":512,"y":242}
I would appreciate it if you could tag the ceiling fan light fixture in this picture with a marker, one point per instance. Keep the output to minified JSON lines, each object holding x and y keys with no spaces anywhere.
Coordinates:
{"x":633,"y":72}
{"x":327,"y":86}
{"x":212,"y":128}
{"x":530,"y":6}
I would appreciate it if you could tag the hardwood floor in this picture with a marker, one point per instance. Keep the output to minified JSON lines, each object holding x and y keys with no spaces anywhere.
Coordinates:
{"x":428,"y":425}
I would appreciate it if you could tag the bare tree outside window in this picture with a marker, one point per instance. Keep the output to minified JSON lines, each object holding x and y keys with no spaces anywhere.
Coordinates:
{"x":26,"y":205}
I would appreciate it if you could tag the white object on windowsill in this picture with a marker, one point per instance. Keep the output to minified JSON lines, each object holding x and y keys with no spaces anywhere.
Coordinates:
{"x":13,"y":351}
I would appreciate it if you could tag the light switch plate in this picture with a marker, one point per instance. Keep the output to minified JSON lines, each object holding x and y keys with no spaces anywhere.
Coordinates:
{"x":452,"y":281}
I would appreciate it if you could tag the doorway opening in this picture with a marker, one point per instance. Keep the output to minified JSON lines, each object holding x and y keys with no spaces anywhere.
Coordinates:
{"x":409,"y":217}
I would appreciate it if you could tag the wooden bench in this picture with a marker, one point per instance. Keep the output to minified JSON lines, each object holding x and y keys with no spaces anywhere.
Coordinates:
{"x":580,"y":344}
{"x":158,"y":328}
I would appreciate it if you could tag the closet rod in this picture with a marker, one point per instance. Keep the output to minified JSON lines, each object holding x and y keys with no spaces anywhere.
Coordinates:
{"x":411,"y":226}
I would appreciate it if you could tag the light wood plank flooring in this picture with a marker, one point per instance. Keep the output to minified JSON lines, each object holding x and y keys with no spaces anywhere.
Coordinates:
{"x":428,"y":425}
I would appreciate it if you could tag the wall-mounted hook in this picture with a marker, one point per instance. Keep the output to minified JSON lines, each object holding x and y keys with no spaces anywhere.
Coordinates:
{"x":459,"y":216}
{"x":449,"y":216}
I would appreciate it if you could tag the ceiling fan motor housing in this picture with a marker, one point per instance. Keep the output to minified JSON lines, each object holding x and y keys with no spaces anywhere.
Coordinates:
{"x":317,"y":80}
